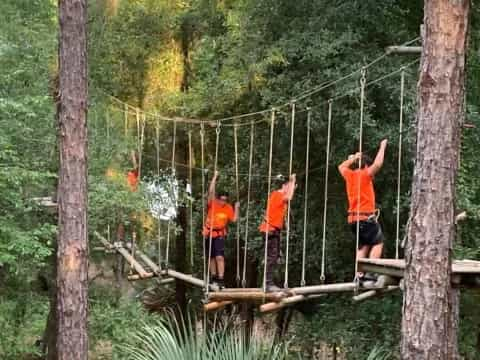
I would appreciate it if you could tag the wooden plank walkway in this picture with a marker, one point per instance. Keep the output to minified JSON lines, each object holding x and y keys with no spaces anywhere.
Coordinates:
{"x":465,"y":272}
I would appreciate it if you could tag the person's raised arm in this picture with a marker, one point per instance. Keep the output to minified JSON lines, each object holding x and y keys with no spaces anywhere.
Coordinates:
{"x":134,"y":160}
{"x":236,"y":214}
{"x":292,"y":183}
{"x":378,"y":162}
{"x":211,"y":187}
{"x":349,"y":162}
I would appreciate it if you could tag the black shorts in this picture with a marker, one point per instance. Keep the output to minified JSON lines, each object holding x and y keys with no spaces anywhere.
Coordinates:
{"x":370,"y":233}
{"x":218,"y":246}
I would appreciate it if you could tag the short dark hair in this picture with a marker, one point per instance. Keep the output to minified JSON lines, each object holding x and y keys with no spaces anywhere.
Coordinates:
{"x":222,"y":193}
{"x":365,"y":162}
{"x":279,"y":180}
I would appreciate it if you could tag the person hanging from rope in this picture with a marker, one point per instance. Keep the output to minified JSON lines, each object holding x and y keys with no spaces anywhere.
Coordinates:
{"x":358,"y":172}
{"x":273,"y":224}
{"x":219,"y":214}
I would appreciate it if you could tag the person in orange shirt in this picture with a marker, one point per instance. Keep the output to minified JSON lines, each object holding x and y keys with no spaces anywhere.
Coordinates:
{"x":133,"y":175}
{"x":219,"y":214}
{"x":273,"y":223}
{"x":358,"y":172}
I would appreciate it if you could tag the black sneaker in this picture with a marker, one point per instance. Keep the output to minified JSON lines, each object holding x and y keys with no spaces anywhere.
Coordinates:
{"x":213,"y":280}
{"x":273,"y":288}
{"x":220,"y":284}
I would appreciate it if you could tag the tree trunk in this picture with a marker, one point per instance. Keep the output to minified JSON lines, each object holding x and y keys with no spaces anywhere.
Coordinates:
{"x":72,"y":257}
{"x":430,"y":309}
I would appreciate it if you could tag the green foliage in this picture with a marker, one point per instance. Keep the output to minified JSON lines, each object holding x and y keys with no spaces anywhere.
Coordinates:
{"x":172,"y":340}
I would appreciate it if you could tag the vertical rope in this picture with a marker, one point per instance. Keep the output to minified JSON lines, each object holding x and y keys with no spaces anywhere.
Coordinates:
{"x":272,"y":127}
{"x":250,"y":163}
{"x":190,"y":180}
{"x":305,"y":207}
{"x":140,"y":144}
{"x":107,"y":120}
{"x":237,"y":188}
{"x":325,"y":194}
{"x":172,"y":183}
{"x":363,"y":81}
{"x":125,"y":110}
{"x":290,"y":166}
{"x":157,"y":148}
{"x":215,"y":166}
{"x":202,"y":160}
{"x":399,"y":175}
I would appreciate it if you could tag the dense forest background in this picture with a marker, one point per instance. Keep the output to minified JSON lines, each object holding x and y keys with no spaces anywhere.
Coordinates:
{"x":211,"y":59}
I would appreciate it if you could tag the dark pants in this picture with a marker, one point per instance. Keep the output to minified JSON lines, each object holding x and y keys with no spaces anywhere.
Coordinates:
{"x":273,"y":253}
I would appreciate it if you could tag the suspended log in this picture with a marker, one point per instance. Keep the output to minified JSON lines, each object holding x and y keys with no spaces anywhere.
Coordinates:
{"x":324,"y":289}
{"x":242,"y":290}
{"x":382,"y":282}
{"x":372,"y":293}
{"x":136,"y":277}
{"x":247,"y":296}
{"x":404,"y":50}
{"x":274,"y":306}
{"x":216,"y":305}
{"x":135,"y":264}
{"x":165,"y":281}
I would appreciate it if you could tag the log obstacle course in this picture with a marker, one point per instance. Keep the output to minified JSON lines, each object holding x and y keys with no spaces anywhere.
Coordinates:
{"x":146,"y":268}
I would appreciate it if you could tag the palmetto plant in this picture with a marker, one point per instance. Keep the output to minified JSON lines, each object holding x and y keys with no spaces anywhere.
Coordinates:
{"x":171,"y":340}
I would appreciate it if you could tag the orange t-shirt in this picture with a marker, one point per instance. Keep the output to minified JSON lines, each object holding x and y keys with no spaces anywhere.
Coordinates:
{"x":132,"y":179}
{"x":274,"y":219}
{"x":354,"y":178}
{"x":218,"y":217}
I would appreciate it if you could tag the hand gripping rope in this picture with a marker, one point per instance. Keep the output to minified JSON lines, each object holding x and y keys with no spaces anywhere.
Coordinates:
{"x":250,"y":164}
{"x":272,"y":128}
{"x":363,"y":81}
{"x":207,"y":256}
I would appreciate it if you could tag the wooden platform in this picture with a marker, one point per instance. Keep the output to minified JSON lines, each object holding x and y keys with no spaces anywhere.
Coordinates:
{"x":464,"y":272}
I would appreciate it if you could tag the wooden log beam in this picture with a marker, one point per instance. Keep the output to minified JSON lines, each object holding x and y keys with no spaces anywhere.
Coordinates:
{"x":291,"y":300}
{"x":323,"y":289}
{"x":382,"y":282}
{"x":404,"y":50}
{"x":372,"y":293}
{"x":216,"y":305}
{"x":136,"y":277}
{"x":246,"y":296}
{"x":380,"y":269}
{"x":128,"y":257}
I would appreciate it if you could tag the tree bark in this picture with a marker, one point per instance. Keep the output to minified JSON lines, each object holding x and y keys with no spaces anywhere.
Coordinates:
{"x":72,"y":257}
{"x":430,"y":309}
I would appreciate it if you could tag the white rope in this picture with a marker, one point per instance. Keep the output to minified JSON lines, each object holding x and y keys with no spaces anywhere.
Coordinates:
{"x":300,"y":96}
{"x":157,"y":148}
{"x":325,"y":194}
{"x":305,"y":206}
{"x":140,"y":145}
{"x":215,"y":166}
{"x":399,"y":174}
{"x":249,"y":187}
{"x":190,"y":180}
{"x":360,"y":149}
{"x":172,"y":183}
{"x":125,"y":119}
{"x":272,"y":127}
{"x":237,"y":188}
{"x":202,"y":159}
{"x":290,"y":167}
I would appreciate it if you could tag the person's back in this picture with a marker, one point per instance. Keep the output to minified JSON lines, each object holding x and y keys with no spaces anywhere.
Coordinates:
{"x":362,"y":215}
{"x":360,"y":194}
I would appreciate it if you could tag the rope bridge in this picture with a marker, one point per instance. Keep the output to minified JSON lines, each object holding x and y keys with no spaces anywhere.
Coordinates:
{"x":145,"y":267}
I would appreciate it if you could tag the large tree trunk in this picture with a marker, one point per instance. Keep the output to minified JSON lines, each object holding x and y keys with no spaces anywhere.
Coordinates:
{"x":72,"y":258}
{"x":430,"y":310}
